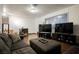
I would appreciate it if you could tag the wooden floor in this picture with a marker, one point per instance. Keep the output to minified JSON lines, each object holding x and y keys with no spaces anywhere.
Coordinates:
{"x":64,"y":46}
{"x":30,"y":37}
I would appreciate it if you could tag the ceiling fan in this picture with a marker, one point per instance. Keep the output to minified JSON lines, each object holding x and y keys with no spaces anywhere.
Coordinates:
{"x":33,"y":8}
{"x":34,"y":5}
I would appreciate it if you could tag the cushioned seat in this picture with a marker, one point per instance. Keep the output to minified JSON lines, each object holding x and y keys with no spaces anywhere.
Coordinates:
{"x":26,"y":50}
{"x":43,"y":48}
{"x":13,"y":44}
{"x":18,"y":45}
{"x":4,"y":48}
{"x":14,"y":38}
{"x":6,"y":39}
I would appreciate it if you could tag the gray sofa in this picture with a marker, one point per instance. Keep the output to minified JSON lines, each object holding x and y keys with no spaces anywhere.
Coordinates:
{"x":11,"y":44}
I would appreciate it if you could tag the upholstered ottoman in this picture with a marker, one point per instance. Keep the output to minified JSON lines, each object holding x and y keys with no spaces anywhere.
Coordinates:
{"x":45,"y":46}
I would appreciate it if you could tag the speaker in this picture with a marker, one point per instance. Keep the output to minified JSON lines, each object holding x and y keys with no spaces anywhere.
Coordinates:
{"x":67,"y":38}
{"x":70,"y":39}
{"x":45,"y":35}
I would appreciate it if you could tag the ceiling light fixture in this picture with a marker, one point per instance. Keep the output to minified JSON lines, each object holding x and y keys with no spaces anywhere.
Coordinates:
{"x":33,"y":8}
{"x":4,"y":11}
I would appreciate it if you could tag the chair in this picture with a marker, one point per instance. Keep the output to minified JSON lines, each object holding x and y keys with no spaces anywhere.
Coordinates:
{"x":23,"y":32}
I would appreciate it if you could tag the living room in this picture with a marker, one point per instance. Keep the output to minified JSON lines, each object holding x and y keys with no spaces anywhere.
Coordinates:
{"x":22,"y":27}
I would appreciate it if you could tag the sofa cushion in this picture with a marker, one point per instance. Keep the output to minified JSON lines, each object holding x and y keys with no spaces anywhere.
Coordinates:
{"x":4,"y":49}
{"x":19,"y":44}
{"x":14,"y":38}
{"x":26,"y":50}
{"x":6,"y":39}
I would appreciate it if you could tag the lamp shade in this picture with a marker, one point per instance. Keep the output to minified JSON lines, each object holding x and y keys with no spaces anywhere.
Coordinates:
{"x":5,"y":20}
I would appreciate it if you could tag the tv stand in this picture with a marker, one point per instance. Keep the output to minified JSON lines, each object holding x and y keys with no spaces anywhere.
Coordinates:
{"x":63,"y":37}
{"x":46,"y":35}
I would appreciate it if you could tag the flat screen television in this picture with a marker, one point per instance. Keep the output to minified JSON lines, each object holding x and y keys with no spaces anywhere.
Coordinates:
{"x":45,"y":28}
{"x":64,"y":28}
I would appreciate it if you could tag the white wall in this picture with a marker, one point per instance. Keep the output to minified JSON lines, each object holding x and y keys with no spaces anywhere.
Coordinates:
{"x":73,"y":16}
{"x":17,"y":22}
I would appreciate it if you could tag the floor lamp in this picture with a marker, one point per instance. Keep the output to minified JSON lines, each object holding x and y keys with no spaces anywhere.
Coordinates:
{"x":5,"y":24}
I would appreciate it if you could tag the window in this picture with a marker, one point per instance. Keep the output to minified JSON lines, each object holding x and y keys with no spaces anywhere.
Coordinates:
{"x":63,"y":18}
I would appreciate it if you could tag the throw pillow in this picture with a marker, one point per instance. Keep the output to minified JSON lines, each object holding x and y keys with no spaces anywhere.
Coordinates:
{"x":4,"y":49}
{"x":14,"y":38}
{"x":6,"y":39}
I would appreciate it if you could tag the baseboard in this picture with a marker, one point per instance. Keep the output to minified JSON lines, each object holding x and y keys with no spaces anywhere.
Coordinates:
{"x":32,"y":33}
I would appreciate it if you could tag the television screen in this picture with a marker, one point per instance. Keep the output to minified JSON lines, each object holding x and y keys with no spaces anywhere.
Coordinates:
{"x":64,"y":28}
{"x":45,"y":28}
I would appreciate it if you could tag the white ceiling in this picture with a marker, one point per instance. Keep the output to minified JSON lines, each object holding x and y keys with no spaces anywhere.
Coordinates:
{"x":20,"y":9}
